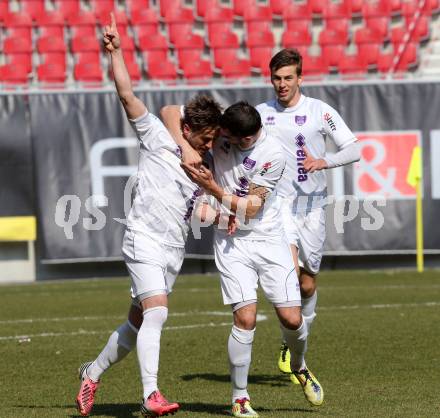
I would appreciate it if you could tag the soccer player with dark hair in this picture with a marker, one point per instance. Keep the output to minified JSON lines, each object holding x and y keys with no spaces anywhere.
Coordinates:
{"x":302,"y":125}
{"x":157,"y":229}
{"x":249,"y":163}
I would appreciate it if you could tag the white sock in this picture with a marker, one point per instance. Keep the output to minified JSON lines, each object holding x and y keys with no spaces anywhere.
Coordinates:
{"x":148,"y":347}
{"x":308,"y":309}
{"x":119,"y":344}
{"x":296,"y":340}
{"x":240,"y":354}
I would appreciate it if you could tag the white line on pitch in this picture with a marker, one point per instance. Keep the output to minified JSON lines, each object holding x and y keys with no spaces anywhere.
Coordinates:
{"x":84,"y":332}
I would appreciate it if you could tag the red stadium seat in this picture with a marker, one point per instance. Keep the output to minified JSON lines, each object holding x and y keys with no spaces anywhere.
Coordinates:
{"x":102,"y":7}
{"x":258,"y":26}
{"x":85,"y":44}
{"x":298,"y":25}
{"x":67,"y":7}
{"x":236,"y":69}
{"x":127,"y":43}
{"x":409,"y":7}
{"x":256,"y":14}
{"x":355,"y":6}
{"x":343,"y":25}
{"x":82,"y":18}
{"x":145,"y":30}
{"x":317,"y":7}
{"x":218,"y":27}
{"x":13,"y":74}
{"x":20,"y":59}
{"x":314,"y":65}
{"x":162,"y":70}
{"x":179,"y":15}
{"x":186,"y":56}
{"x":51,"y":44}
{"x":421,"y":28}
{"x":197,"y":70}
{"x":218,"y":14}
{"x":202,"y":6}
{"x":240,"y":6}
{"x":58,"y":58}
{"x":337,"y":11}
{"x":34,"y":8}
{"x":89,"y":72}
{"x":51,"y":73}
{"x":17,"y":20}
{"x":332,"y":37}
{"x":297,"y":11}
{"x":369,"y":53}
{"x":380,"y":8}
{"x":179,"y":30}
{"x":56,"y":31}
{"x":14,"y":45}
{"x":54,"y":18}
{"x":352,"y":64}
{"x":189,"y":41}
{"x":4,"y":9}
{"x":224,"y":55}
{"x":278,"y":6}
{"x":88,"y":56}
{"x":332,"y":54}
{"x":132,"y":67}
{"x":407,"y":61}
{"x":380,"y":25}
{"x":260,"y":58}
{"x":153,"y":42}
{"x":260,"y":39}
{"x":78,"y":31}
{"x":137,"y":4}
{"x":368,"y":36}
{"x":293,"y":39}
{"x":154,"y":55}
{"x":20,"y":32}
{"x":224,"y":40}
{"x":144,"y":17}
{"x":165,"y":5}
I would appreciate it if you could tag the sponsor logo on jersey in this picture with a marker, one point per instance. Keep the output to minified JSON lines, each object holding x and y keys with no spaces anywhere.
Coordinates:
{"x":225,"y":147}
{"x":300,"y":140}
{"x":329,"y":120}
{"x":301,"y":171}
{"x":270,"y":120}
{"x":265,"y":168}
{"x":198,"y":192}
{"x":300,"y":120}
{"x":243,"y":183}
{"x":248,"y":163}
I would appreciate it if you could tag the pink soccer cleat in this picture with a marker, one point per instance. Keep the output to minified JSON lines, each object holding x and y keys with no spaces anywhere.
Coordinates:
{"x":157,"y":406}
{"x":86,"y":394}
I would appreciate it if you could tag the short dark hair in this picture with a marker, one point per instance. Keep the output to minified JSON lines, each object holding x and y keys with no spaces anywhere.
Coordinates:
{"x":202,"y":112}
{"x":241,"y":120}
{"x":286,"y":57}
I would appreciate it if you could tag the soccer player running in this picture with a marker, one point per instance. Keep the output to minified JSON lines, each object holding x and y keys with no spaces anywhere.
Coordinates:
{"x":301,"y":125}
{"x":248,"y":165}
{"x":157,"y":229}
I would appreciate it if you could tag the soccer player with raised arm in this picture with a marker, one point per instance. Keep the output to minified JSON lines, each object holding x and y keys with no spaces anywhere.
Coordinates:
{"x":248,"y":165}
{"x":302,"y":125}
{"x":157,"y":229}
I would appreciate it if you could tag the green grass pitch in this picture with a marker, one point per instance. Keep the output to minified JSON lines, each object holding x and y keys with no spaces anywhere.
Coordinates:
{"x":375,"y":347}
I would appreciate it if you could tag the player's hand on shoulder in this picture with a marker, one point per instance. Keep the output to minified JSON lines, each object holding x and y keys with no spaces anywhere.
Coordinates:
{"x":201,"y":176}
{"x":111,"y":38}
{"x":312,"y":164}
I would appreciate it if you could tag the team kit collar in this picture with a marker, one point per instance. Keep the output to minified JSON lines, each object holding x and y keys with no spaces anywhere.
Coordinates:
{"x":280,"y":108}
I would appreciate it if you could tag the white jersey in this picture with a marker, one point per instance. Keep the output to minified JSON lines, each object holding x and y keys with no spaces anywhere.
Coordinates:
{"x":262,"y":164}
{"x":165,"y":196}
{"x":308,"y":124}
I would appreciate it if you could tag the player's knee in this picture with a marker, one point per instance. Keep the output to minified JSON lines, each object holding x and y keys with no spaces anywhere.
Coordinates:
{"x":307,"y":285}
{"x":156,"y":317}
{"x":292,"y":321}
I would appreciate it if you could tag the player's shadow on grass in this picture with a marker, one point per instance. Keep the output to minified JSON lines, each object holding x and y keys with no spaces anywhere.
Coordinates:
{"x":256,"y":379}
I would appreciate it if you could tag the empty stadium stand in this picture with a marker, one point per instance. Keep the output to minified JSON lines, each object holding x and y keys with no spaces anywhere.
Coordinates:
{"x":58,"y":41}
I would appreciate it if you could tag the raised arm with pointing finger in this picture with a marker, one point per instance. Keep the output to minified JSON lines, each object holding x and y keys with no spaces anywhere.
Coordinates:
{"x":112,"y":44}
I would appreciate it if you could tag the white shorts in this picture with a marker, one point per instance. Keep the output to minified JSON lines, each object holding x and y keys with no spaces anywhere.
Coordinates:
{"x":153,"y":266}
{"x":245,"y":263}
{"x":306,"y":231}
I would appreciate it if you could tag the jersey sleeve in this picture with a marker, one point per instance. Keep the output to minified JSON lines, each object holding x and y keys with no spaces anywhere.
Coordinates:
{"x":150,"y":131}
{"x":269,"y":173}
{"x":336,"y":128}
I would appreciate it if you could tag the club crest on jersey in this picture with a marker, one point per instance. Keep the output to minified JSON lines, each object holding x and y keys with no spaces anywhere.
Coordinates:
{"x":329,"y":120}
{"x":300,"y":120}
{"x":225,"y":147}
{"x":243,"y":183}
{"x":270,"y":120}
{"x":300,"y":140}
{"x":265,"y":168}
{"x":248,"y":163}
{"x":178,"y":151}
